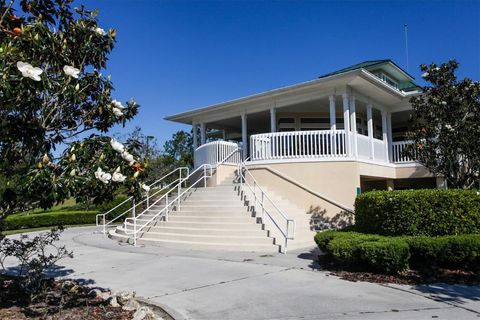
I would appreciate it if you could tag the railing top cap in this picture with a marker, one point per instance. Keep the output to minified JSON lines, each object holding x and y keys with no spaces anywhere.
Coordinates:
{"x":217,"y":142}
{"x":296,"y":133}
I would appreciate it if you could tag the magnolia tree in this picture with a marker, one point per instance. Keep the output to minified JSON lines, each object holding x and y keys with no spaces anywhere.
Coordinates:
{"x":53,"y":96}
{"x":446,"y":126}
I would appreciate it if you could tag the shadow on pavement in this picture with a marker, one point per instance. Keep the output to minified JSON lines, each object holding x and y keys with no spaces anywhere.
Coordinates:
{"x":456,"y":293}
{"x":312,"y":255}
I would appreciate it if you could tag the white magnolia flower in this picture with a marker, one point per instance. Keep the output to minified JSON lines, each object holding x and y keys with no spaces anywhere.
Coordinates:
{"x":117,"y":104}
{"x":118,"y":177}
{"x":98,"y":172}
{"x":128,"y":157}
{"x":425,"y":74}
{"x":117,"y":112}
{"x":71,"y":71}
{"x":145,"y":187}
{"x":28,"y":71}
{"x":448,"y":127}
{"x":117,"y":146}
{"x":103,"y":176}
{"x":73,"y":173}
{"x":135,"y":175}
{"x":444,"y":103}
{"x":100,"y":31}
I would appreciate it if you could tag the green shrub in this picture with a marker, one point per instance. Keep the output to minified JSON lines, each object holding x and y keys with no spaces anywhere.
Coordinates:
{"x":77,"y":214}
{"x":394,"y":254}
{"x":461,"y":251}
{"x":432,"y":212}
{"x":48,"y":219}
{"x":384,"y":254}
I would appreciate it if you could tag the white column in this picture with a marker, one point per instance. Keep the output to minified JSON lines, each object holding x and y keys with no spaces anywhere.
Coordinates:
{"x":353,"y":125}
{"x":333,"y":124}
{"x":224,"y":135}
{"x":273,"y":120}
{"x":346,"y":123}
{"x":370,"y":129}
{"x":384,"y":133}
{"x":333,"y":119}
{"x":195,"y":137}
{"x":203,"y":133}
{"x":244,"y":136}
{"x":390,"y":136}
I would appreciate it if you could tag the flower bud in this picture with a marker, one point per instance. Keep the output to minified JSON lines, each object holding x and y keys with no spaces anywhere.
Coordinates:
{"x":45,"y":158}
{"x":135,"y":175}
{"x":73,"y":173}
{"x":73,"y":157}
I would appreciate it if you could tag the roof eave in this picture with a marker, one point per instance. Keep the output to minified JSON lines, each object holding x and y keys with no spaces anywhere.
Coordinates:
{"x":177,"y":117}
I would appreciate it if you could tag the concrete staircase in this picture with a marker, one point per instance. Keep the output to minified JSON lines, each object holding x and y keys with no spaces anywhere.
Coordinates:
{"x":209,"y":218}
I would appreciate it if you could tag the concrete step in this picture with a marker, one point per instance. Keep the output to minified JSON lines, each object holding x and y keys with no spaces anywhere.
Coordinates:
{"x":219,"y":214}
{"x":173,"y":218}
{"x":229,"y":225}
{"x":210,"y":239}
{"x":217,"y":197}
{"x":195,"y":245}
{"x":208,"y":208}
{"x":191,"y":229}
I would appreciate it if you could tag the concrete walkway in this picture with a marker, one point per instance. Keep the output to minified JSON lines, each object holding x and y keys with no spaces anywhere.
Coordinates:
{"x":232,"y":285}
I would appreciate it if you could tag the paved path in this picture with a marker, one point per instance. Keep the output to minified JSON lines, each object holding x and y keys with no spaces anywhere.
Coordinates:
{"x":229,"y":285}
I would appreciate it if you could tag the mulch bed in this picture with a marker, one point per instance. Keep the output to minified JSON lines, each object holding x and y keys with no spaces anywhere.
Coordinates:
{"x":60,"y":300}
{"x":410,"y":277}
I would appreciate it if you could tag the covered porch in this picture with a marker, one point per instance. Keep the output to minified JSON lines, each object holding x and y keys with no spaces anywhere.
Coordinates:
{"x":310,"y":130}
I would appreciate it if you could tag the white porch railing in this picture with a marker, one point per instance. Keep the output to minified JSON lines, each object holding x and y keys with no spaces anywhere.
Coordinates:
{"x":398,"y":149}
{"x":215,"y":152}
{"x":298,"y":144}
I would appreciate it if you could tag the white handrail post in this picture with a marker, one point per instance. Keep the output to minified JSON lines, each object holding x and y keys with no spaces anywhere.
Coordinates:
{"x":104,"y":221}
{"x":178,"y":196}
{"x":148,"y":198}
{"x":205,"y":176}
{"x":166,"y":206}
{"x":263,"y":209}
{"x":255,"y":195}
{"x":134,"y":224}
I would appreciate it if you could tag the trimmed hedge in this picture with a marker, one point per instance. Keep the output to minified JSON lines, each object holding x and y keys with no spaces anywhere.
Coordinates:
{"x":49,"y":219}
{"x":396,"y":254}
{"x":383,"y":254}
{"x":73,"y":215}
{"x":461,"y":251}
{"x":429,"y":212}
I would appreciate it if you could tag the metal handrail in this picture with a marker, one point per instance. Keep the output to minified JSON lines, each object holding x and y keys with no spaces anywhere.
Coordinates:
{"x":167,"y":204}
{"x":177,"y":199}
{"x":286,"y":234}
{"x":146,"y":199}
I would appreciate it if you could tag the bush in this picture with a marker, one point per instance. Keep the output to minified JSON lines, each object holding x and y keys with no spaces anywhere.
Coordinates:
{"x":418,"y":212}
{"x":384,"y":254}
{"x":73,"y":215}
{"x":48,"y":219}
{"x":394,"y":254}
{"x":461,"y":251}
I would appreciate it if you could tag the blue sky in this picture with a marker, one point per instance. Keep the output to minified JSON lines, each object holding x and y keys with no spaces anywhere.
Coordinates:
{"x":173,"y":56}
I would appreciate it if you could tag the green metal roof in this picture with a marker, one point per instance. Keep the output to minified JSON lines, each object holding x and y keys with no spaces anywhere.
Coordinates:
{"x":365,"y":64}
{"x":406,"y":85}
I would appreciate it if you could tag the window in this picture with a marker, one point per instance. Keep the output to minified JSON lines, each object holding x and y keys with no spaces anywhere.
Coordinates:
{"x":387,"y":79}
